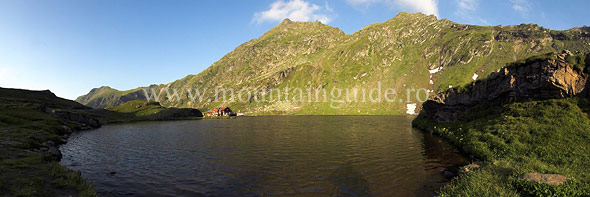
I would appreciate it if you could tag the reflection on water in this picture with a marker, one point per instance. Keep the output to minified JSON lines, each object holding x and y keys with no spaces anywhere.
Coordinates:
{"x":254,"y":156}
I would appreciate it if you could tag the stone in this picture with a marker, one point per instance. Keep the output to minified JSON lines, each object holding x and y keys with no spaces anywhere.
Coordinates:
{"x":11,"y":143}
{"x":468,"y":168}
{"x":551,"y":179}
{"x":55,"y":152}
{"x":67,"y":130}
{"x":50,"y":143}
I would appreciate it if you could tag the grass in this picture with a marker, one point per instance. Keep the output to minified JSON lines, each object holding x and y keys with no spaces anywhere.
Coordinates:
{"x":549,"y":136}
{"x":142,"y":110}
{"x":139,"y":108}
{"x":65,"y":178}
{"x":33,"y":173}
{"x":580,"y":62}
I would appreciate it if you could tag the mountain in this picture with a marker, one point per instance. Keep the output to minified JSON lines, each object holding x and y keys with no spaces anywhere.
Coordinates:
{"x":409,"y":53}
{"x":106,"y":96}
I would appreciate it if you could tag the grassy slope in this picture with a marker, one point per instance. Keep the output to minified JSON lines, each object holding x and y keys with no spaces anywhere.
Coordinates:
{"x":140,"y":110}
{"x":397,"y":53}
{"x":23,"y":127}
{"x":549,"y":136}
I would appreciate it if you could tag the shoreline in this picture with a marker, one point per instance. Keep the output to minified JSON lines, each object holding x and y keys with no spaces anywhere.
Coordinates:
{"x":57,"y":155}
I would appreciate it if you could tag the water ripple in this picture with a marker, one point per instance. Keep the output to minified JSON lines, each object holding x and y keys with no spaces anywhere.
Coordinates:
{"x":254,"y":156}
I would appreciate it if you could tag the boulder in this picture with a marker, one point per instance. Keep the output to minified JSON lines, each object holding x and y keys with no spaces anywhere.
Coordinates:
{"x":55,"y":152}
{"x":551,"y":179}
{"x":67,"y":129}
{"x":468,"y":168}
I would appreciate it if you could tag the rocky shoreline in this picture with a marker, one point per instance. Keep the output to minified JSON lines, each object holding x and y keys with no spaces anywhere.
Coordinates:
{"x":86,"y":123}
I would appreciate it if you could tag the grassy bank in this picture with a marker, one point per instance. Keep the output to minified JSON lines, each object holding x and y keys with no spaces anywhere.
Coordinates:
{"x":34,"y":123}
{"x":27,"y":168}
{"x":549,"y":137}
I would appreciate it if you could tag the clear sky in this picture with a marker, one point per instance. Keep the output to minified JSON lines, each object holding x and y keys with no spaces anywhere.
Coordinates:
{"x":71,"y":46}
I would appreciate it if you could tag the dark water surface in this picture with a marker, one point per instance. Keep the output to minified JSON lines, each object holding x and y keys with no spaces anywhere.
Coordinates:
{"x":269,"y":155}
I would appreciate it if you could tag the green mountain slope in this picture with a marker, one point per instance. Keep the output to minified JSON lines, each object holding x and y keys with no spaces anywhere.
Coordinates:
{"x":105,"y":96}
{"x":403,"y":53}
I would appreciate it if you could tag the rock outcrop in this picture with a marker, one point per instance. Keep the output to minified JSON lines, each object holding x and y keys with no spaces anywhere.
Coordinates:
{"x":551,"y":179}
{"x":83,"y":119}
{"x":549,"y":76}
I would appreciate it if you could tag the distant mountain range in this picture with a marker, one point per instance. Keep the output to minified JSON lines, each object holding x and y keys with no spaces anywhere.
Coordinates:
{"x":408,"y":53}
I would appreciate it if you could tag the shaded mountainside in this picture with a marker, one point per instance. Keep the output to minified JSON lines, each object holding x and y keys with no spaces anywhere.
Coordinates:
{"x":527,"y":121}
{"x":32,"y":125}
{"x":410,"y":51}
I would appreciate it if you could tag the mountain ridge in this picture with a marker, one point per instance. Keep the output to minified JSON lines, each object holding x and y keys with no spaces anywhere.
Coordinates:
{"x":409,"y":51}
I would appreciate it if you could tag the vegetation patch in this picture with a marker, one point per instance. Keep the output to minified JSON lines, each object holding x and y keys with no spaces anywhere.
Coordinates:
{"x":548,"y":137}
{"x":142,"y":110}
{"x":26,"y":169}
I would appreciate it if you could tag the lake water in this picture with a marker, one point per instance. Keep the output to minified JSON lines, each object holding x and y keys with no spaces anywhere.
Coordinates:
{"x":267,"y":155}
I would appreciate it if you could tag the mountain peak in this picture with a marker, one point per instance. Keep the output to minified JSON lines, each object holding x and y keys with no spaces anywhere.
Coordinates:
{"x":290,"y":24}
{"x":416,"y":15}
{"x":286,"y":21}
{"x":297,"y":27}
{"x":101,"y":88}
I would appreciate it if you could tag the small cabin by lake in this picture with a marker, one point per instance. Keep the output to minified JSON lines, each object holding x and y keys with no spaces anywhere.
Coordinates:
{"x":221,"y":111}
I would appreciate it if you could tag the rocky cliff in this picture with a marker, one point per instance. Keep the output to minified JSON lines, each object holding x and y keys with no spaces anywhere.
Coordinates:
{"x":407,"y":52}
{"x":549,"y":76}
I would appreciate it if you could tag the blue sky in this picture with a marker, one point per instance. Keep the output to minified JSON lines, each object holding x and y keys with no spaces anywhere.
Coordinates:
{"x":71,"y":46}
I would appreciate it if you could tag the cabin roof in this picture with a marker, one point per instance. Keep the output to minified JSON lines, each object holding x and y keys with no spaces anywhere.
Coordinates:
{"x":219,"y":108}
